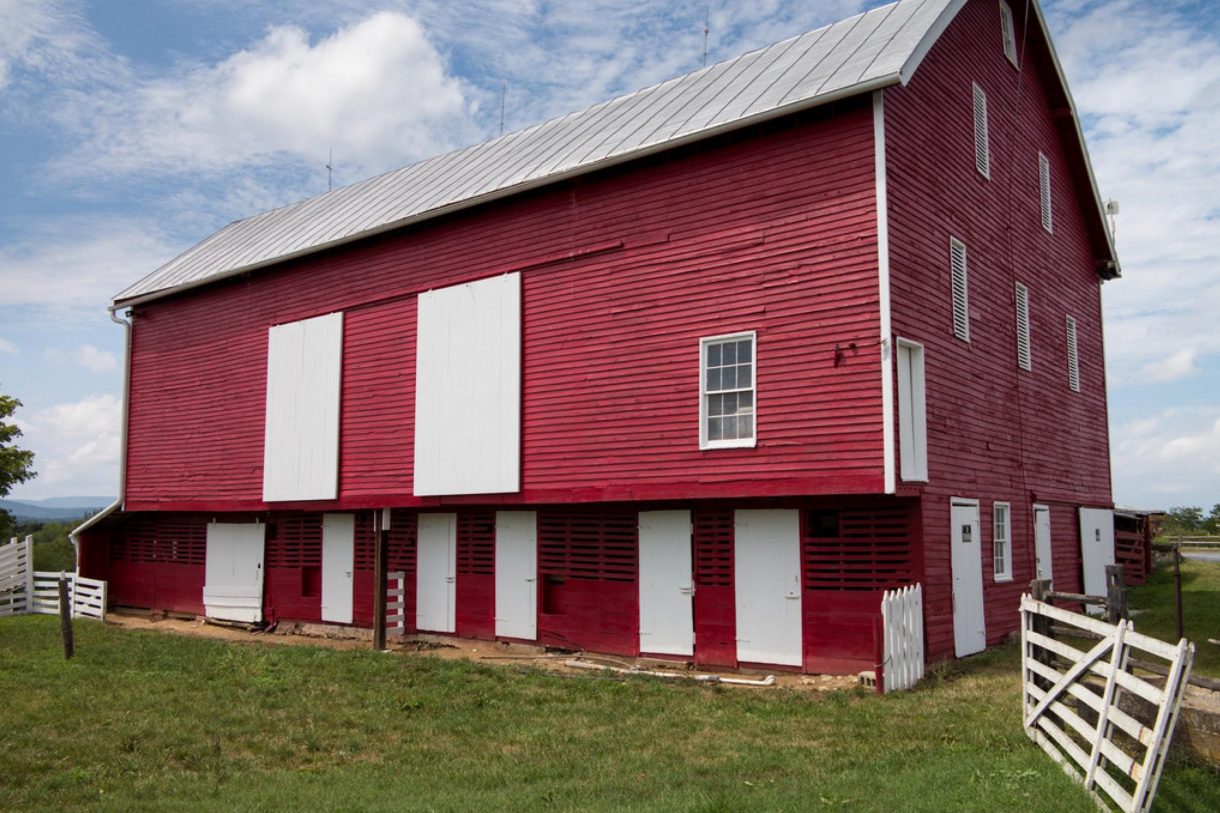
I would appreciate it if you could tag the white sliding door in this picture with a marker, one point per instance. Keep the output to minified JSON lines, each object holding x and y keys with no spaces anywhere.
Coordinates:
{"x":233,"y":571}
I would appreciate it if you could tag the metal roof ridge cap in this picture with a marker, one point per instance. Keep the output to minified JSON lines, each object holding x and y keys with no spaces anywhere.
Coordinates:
{"x":946,"y":16}
{"x":612,"y":160}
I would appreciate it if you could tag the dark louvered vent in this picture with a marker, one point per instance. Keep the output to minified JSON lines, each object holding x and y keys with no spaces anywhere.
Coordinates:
{"x":714,"y":548}
{"x":476,"y":543}
{"x":400,"y":544}
{"x":296,"y":542}
{"x":857,"y":549}
{"x":174,"y":539}
{"x":588,"y":545}
{"x":364,"y":541}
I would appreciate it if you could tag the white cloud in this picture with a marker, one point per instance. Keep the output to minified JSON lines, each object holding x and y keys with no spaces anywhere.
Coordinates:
{"x":7,"y":347}
{"x":77,"y":264}
{"x":1172,"y":457}
{"x":377,"y":92}
{"x":95,"y":360}
{"x":1145,"y":77}
{"x":76,"y":447}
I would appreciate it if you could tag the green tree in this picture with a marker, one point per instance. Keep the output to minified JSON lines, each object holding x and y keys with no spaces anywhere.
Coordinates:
{"x":1212,"y":523}
{"x":16,"y":465}
{"x":1184,"y":520}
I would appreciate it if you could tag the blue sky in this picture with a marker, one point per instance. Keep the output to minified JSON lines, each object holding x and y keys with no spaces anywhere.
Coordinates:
{"x":131,"y":130}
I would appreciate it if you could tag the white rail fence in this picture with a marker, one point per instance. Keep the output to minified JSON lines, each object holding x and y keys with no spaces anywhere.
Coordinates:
{"x":16,"y":576}
{"x":1074,"y":701}
{"x":902,"y":630}
{"x":395,"y":603}
{"x":25,"y":591}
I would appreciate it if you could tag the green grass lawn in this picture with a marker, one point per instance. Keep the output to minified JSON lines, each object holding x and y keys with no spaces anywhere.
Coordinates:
{"x":150,"y":721}
{"x":1200,"y":609}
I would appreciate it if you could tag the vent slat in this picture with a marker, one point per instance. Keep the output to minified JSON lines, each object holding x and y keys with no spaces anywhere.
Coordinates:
{"x":857,"y":549}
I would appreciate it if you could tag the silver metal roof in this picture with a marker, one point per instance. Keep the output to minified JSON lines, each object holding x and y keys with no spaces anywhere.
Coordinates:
{"x":861,"y":53}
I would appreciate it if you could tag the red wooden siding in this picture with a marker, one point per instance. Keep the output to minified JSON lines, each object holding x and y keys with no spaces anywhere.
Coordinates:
{"x":476,"y":574}
{"x":850,"y":555}
{"x":994,"y":432}
{"x":292,"y":587}
{"x":715,"y":604}
{"x":587,"y":569}
{"x":378,"y":400}
{"x":157,"y":561}
{"x":772,"y":229}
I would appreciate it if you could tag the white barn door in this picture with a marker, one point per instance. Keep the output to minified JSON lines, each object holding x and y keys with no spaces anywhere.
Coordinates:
{"x":667,"y":624}
{"x":338,"y":562}
{"x":233,"y":571}
{"x":435,"y":573}
{"x":1096,"y":550}
{"x":767,"y":589}
{"x":1042,"y":541}
{"x":969,"y":626}
{"x":517,"y":574}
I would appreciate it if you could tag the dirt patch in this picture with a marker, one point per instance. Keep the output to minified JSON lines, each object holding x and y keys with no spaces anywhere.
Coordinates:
{"x":452,"y":648}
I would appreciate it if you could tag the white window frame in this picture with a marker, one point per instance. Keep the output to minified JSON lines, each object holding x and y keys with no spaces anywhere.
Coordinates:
{"x":1001,"y":558}
{"x":1073,"y":355}
{"x":1025,"y":358}
{"x":961,"y":327}
{"x":732,"y":443}
{"x":1044,"y":193}
{"x":982,"y":146}
{"x":1008,"y":33}
{"x":912,"y":412}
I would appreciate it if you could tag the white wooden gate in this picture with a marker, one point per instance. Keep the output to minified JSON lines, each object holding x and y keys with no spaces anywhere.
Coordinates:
{"x":1072,"y":709}
{"x":87,"y":597}
{"x":902,"y":628}
{"x":16,"y":576}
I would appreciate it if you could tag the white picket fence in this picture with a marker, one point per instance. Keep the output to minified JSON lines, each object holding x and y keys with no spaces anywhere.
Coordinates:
{"x":16,"y":576}
{"x":25,"y":591}
{"x":395,"y":603}
{"x":1076,"y":714}
{"x":902,"y":628}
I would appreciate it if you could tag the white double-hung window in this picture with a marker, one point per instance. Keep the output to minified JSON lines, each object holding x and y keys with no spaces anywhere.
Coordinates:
{"x":726,"y":401}
{"x":1001,"y":530}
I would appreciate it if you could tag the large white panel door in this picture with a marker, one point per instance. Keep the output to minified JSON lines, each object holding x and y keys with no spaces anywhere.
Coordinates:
{"x":517,"y":574}
{"x":767,"y":588}
{"x":338,"y":562}
{"x":435,"y":573}
{"x":969,"y":626}
{"x":233,"y":571}
{"x":1042,"y":541}
{"x":667,"y":624}
{"x":1096,"y":550}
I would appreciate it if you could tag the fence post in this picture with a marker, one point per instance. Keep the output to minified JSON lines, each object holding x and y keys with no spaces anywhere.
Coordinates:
{"x":65,"y":617}
{"x":29,"y":573}
{"x":1116,"y":594}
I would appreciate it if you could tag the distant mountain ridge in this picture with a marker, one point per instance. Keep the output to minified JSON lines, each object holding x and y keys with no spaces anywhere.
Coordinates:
{"x":55,"y":509}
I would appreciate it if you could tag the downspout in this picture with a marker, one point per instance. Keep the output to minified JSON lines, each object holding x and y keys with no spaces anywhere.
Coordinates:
{"x":118,"y":501}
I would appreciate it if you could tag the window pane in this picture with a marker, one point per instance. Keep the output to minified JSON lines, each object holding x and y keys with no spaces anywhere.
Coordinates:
{"x":730,"y":403}
{"x":713,"y":380}
{"x":745,"y":375}
{"x":745,"y":401}
{"x":713,"y":355}
{"x":714,"y":429}
{"x":729,"y":355}
{"x":745,"y":351}
{"x":729,"y":379}
{"x":745,"y":426}
{"x":714,"y":405}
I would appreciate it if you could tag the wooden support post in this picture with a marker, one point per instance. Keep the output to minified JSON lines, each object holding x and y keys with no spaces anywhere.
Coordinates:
{"x":65,"y":618}
{"x":1177,"y":587}
{"x":380,"y":560}
{"x":1116,"y":594}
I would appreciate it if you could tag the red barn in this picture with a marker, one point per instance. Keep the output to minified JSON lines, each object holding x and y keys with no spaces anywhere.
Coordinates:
{"x":697,"y":372}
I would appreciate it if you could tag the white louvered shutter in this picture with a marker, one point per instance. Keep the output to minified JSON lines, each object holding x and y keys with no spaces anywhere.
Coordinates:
{"x":961,"y":311}
{"x":1044,"y":190}
{"x":1024,"y":359}
{"x":1008,"y":32}
{"x":982,"y":154}
{"x":1073,"y":357}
